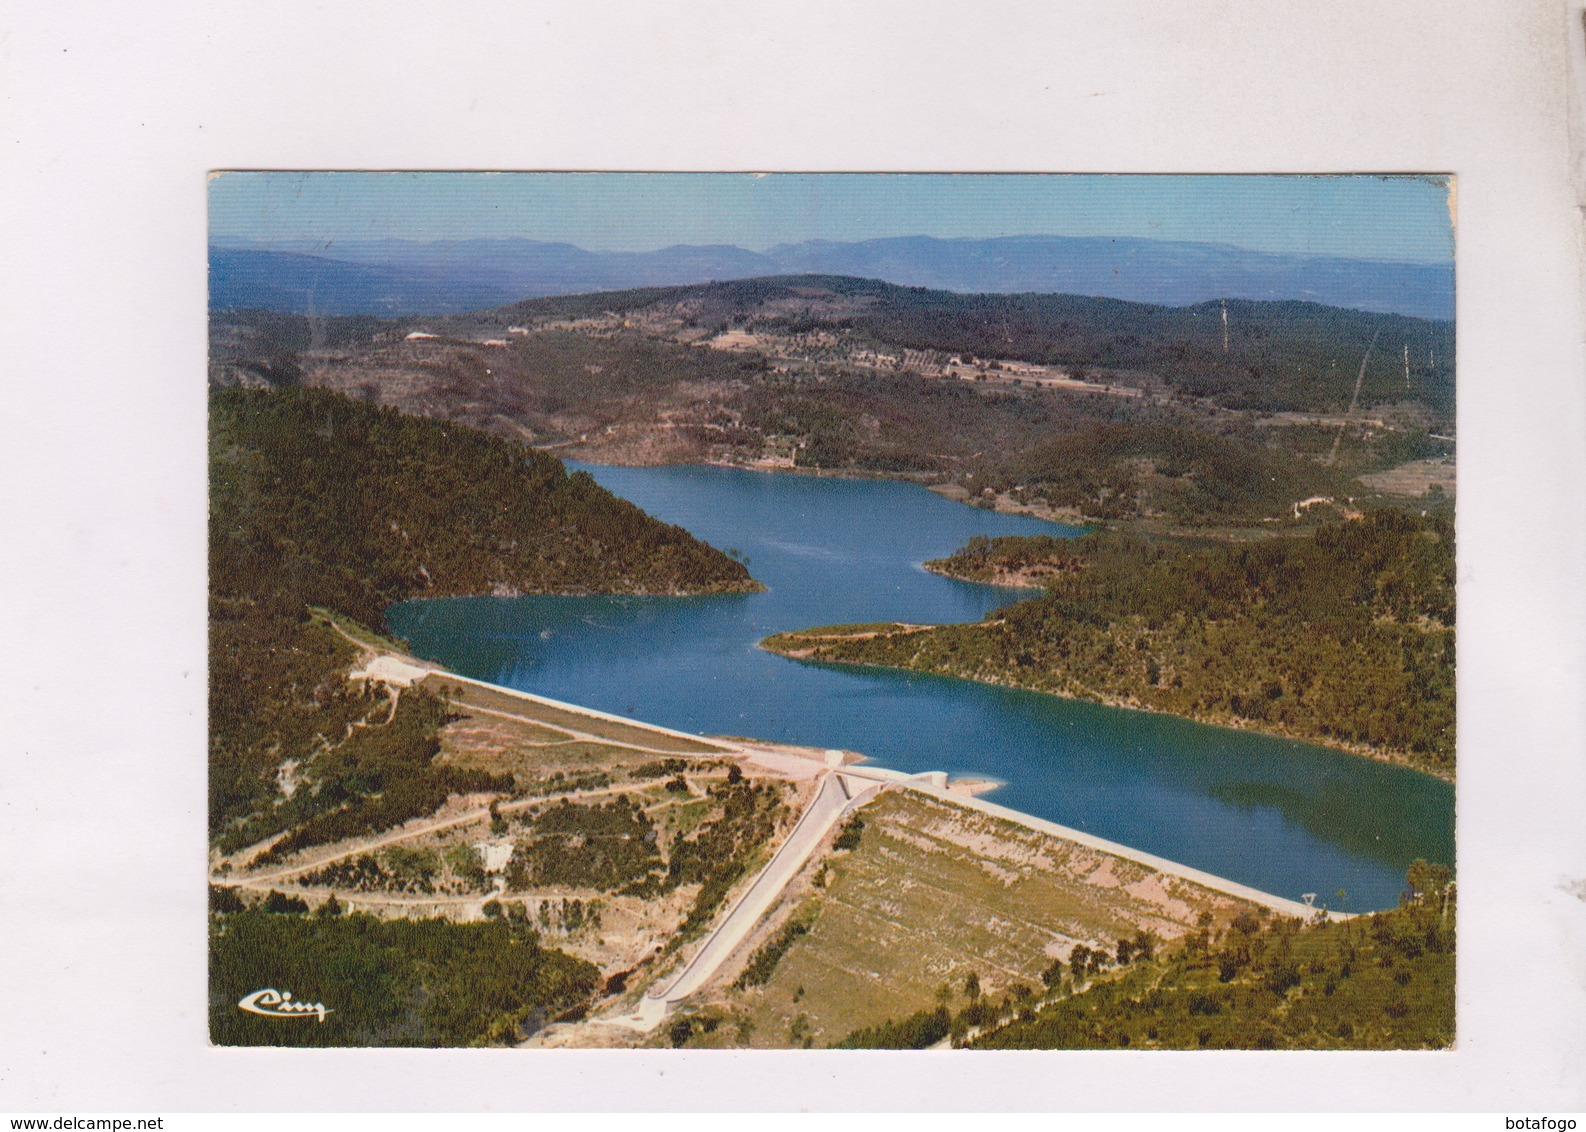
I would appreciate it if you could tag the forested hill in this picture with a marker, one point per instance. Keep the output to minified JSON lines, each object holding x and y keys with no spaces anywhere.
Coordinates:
{"x":1279,"y":356}
{"x":1384,"y":981}
{"x":1121,"y":471}
{"x":320,"y":501}
{"x":353,"y":507}
{"x":1345,"y":637}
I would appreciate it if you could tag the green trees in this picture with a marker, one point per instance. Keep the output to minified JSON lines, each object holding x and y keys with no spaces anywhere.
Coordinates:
{"x":763,"y":962}
{"x":339,"y":504}
{"x":1384,"y":981}
{"x":465,"y":862}
{"x":604,"y":847}
{"x":1189,"y":473}
{"x":1280,"y":358}
{"x":615,"y":847}
{"x":319,"y":501}
{"x":851,"y":833}
{"x":377,"y":778}
{"x":281,"y":904}
{"x":224,"y":900}
{"x":1344,"y":637}
{"x":388,"y":983}
{"x":1052,"y":977}
{"x":917,"y":1031}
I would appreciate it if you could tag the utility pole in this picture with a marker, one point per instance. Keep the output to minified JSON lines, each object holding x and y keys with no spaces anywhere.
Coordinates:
{"x":1225,"y":325}
{"x":1406,"y":367}
{"x":1332,"y":456}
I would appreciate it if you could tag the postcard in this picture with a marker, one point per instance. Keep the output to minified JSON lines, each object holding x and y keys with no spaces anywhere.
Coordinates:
{"x":831,"y":611}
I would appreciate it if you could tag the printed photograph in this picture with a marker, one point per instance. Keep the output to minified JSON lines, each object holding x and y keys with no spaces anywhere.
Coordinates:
{"x":811,"y":611}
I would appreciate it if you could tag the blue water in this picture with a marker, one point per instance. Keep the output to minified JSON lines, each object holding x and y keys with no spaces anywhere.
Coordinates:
{"x":1286,"y":817}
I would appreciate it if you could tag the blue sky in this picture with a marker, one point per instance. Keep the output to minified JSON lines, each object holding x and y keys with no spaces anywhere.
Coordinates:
{"x":1394,"y":218}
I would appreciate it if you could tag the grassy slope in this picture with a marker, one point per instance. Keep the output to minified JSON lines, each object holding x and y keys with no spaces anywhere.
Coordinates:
{"x":920,"y":895}
{"x":1384,"y":981}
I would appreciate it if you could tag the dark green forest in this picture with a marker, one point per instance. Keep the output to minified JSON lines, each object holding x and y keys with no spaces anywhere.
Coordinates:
{"x":425,"y":983}
{"x":1191,"y":475}
{"x":919,"y":1030}
{"x":259,"y":347}
{"x":320,"y":501}
{"x":331,"y":502}
{"x":1345,"y":636}
{"x":1107,"y":458}
{"x":324,"y":510}
{"x":1281,"y":356}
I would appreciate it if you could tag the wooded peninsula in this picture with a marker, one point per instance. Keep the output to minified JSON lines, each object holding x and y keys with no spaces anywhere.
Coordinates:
{"x":1344,"y":637}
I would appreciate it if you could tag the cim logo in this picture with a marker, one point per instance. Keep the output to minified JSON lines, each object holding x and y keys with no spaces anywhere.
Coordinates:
{"x":278,"y":1004}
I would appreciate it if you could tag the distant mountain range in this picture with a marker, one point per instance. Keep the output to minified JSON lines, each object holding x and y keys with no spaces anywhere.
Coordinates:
{"x":400,"y":277}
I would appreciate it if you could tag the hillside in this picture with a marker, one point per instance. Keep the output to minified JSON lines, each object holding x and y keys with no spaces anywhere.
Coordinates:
{"x":1385,"y":981}
{"x":1279,"y":356}
{"x":319,"y":502}
{"x":1345,"y":637}
{"x":1085,"y":407}
{"x":1284,"y":355}
{"x":1189,"y":475}
{"x":354,"y":507}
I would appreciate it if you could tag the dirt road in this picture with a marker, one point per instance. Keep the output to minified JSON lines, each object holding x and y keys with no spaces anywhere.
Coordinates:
{"x":480,"y":814}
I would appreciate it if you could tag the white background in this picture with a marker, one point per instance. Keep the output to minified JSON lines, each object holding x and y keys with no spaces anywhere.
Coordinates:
{"x":112,"y":114}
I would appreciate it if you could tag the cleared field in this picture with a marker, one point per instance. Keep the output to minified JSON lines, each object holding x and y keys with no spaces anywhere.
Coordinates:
{"x":485,"y":731}
{"x":934,"y":893}
{"x":531,"y":753}
{"x":631,"y":735}
{"x":1415,"y":478}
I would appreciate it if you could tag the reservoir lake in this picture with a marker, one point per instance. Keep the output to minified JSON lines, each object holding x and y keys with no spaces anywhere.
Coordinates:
{"x":1287,"y":817}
